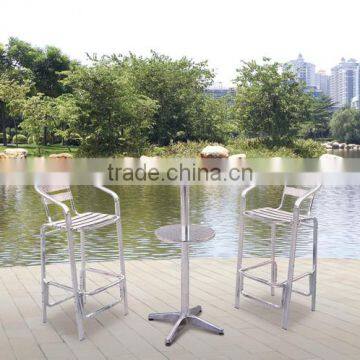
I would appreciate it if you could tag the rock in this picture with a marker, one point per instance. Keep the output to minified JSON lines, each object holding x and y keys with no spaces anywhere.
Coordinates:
{"x":238,"y":156}
{"x":328,"y":146}
{"x":3,"y":156}
{"x":335,"y":145}
{"x":61,"y":156}
{"x":342,"y":146}
{"x":17,"y":153}
{"x":214,"y":151}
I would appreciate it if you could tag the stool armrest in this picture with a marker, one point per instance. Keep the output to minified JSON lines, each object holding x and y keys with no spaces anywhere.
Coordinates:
{"x":243,"y":196}
{"x":298,"y":202}
{"x":113,"y":195}
{"x":65,"y":209}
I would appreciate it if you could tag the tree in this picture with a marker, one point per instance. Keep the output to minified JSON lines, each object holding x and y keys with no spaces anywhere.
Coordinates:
{"x":178,"y":87}
{"x":12,"y":97}
{"x":38,"y":113}
{"x":113,"y":117}
{"x":269,"y":101}
{"x":345,"y":125}
{"x":319,"y":115}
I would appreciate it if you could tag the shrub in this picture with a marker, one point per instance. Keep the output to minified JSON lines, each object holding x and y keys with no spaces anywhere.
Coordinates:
{"x":19,"y":139}
{"x":345,"y":125}
{"x":7,"y":137}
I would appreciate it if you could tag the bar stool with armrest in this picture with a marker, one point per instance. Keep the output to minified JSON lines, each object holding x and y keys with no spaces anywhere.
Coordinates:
{"x":79,"y":222}
{"x":301,"y":215}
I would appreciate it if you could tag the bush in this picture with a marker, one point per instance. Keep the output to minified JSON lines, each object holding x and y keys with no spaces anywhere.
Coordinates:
{"x":7,"y":137}
{"x":345,"y":125}
{"x":19,"y":139}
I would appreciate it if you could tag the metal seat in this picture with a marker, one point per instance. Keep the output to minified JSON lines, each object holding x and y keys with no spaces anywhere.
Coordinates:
{"x":79,"y":222}
{"x":274,"y":217}
{"x":87,"y":221}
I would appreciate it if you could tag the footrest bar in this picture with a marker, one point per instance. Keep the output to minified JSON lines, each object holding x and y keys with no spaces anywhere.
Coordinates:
{"x":56,"y":284}
{"x":60,"y":301}
{"x":267,"y":262}
{"x":103,"y":288}
{"x":103,"y":272}
{"x":98,"y":311}
{"x":261,"y":301}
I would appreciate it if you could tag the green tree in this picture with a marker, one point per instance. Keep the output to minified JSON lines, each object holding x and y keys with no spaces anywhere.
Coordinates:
{"x":345,"y":125}
{"x":12,"y":97}
{"x":113,"y":117}
{"x":319,"y":116}
{"x":178,"y":87}
{"x":269,"y":101}
{"x":39,"y":113}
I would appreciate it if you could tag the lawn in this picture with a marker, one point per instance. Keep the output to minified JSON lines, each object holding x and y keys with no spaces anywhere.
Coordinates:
{"x":44,"y":150}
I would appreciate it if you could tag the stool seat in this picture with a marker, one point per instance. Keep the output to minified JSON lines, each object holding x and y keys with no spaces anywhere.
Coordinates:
{"x":172,"y":233}
{"x":268,"y":214}
{"x":87,"y":221}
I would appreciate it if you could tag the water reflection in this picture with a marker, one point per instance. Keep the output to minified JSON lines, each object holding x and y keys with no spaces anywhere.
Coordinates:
{"x":144,"y":208}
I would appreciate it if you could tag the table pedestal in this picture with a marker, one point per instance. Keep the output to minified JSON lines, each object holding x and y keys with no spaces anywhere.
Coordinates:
{"x":187,"y":316}
{"x":184,"y":234}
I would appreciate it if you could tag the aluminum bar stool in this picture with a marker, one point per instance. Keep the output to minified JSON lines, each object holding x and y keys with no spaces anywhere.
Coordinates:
{"x":301,"y":215}
{"x":81,"y":223}
{"x":184,"y":233}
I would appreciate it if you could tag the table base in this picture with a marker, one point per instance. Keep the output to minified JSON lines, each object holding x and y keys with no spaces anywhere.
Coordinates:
{"x":182,"y":319}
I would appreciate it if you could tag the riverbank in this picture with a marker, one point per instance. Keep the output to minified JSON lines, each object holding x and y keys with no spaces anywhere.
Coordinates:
{"x":252,"y":148}
{"x":252,"y":332}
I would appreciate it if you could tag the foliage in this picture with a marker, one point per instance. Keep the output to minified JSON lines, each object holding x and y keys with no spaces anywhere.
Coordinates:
{"x":7,"y":137}
{"x":38,"y":112}
{"x":267,"y":147}
{"x":45,"y":65}
{"x":319,"y":116}
{"x":269,"y":101}
{"x":345,"y":125}
{"x":112,"y":116}
{"x":19,"y":139}
{"x":33,"y":150}
{"x":178,"y":87}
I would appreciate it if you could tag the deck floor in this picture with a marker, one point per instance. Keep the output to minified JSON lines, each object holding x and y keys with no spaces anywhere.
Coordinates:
{"x":253,"y":332}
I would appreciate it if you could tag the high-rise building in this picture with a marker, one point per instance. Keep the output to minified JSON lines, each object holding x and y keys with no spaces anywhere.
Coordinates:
{"x":343,"y":82}
{"x":355,"y":102}
{"x":322,"y":82}
{"x":303,"y":70}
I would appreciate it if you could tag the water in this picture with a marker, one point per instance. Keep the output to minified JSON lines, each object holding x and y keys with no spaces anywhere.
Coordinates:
{"x":145,"y":208}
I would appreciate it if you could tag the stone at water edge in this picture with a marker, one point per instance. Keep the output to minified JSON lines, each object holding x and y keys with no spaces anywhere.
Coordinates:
{"x":17,"y":153}
{"x":61,"y":156}
{"x":335,"y":145}
{"x":214,"y":151}
{"x":3,"y":156}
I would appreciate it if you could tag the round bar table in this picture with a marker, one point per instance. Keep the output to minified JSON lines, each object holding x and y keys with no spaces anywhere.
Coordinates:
{"x":184,"y":233}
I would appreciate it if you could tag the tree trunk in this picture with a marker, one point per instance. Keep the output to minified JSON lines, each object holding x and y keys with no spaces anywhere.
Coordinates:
{"x":3,"y":122}
{"x":45,"y":135}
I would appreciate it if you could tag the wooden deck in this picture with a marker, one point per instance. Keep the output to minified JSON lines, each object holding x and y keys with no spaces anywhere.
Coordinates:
{"x":253,"y":332}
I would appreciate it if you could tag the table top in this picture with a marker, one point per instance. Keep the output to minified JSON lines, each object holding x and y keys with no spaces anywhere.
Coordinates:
{"x":172,"y":233}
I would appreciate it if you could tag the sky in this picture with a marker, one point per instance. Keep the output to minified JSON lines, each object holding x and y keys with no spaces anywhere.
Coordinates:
{"x":224,"y":32}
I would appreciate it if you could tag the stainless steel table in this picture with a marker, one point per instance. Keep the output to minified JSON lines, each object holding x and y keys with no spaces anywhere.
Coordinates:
{"x":184,"y":233}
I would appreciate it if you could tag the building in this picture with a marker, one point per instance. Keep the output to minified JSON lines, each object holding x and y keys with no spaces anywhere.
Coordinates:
{"x":303,"y":70}
{"x":322,"y":82}
{"x":343,"y":82}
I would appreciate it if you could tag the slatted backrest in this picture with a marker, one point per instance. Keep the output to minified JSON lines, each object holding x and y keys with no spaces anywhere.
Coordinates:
{"x":60,"y":193}
{"x":295,"y":192}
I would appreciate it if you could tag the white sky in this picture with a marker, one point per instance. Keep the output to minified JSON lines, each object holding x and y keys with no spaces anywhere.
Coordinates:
{"x":222,"y":31}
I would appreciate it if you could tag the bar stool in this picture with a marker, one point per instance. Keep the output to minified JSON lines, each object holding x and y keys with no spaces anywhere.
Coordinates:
{"x":301,"y":215}
{"x":81,"y":223}
{"x":184,"y":233}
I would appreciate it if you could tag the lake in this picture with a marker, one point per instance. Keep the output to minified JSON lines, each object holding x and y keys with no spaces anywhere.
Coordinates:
{"x":145,"y":208}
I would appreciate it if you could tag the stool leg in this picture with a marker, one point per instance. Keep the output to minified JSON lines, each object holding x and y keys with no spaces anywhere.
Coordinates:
{"x":79,"y":314}
{"x":314,"y":274}
{"x":239,"y":276}
{"x":83,"y":267}
{"x":288,"y":287}
{"x":44,"y":285}
{"x":123,"y":288}
{"x":273,"y":261}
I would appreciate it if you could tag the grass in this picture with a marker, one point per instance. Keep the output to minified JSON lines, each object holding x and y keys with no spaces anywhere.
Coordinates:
{"x":44,"y":150}
{"x":253,"y":148}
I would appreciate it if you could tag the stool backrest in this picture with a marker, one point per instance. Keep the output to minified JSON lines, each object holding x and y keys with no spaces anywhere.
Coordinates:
{"x":60,"y":193}
{"x":295,"y":193}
